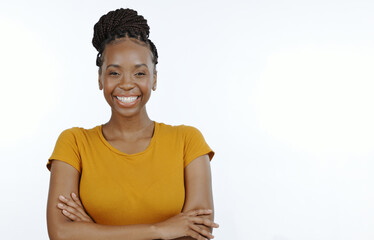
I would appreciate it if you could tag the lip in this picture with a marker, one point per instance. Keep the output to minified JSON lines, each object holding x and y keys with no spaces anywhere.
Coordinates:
{"x":127,"y":105}
{"x":127,"y":95}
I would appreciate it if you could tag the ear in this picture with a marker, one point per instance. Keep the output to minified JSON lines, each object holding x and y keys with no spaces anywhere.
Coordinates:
{"x":100,"y":82}
{"x":154,"y":85}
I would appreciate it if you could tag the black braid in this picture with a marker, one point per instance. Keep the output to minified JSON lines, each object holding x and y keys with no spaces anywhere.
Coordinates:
{"x":120,"y":23}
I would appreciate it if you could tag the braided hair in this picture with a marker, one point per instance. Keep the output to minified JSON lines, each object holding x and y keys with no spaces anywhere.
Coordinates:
{"x":121,"y":23}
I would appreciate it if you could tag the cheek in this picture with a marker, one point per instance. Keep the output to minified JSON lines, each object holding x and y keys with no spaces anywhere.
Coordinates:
{"x":144,"y":84}
{"x":109,"y":83}
{"x":147,"y":87}
{"x":108,"y":87}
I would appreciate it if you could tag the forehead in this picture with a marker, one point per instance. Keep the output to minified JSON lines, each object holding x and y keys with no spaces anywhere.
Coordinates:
{"x":127,"y":51}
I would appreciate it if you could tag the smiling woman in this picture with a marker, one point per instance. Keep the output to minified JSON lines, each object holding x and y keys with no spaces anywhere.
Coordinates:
{"x":130,"y":178}
{"x":127,"y":62}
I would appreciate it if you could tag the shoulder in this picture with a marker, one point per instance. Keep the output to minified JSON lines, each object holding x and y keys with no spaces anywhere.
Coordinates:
{"x":77,"y":136}
{"x":71,"y":131}
{"x":78,"y":132}
{"x":181,"y":133}
{"x":190,"y":138}
{"x":179,"y":129}
{"x":69,"y":144}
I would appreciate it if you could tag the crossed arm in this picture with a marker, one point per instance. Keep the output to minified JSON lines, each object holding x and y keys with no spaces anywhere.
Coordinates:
{"x":192,"y":223}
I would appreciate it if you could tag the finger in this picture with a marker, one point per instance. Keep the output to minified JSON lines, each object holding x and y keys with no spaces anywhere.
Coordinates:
{"x":76,"y":199}
{"x":67,"y":201}
{"x":197,"y":212}
{"x":71,"y":203}
{"x":61,"y":206}
{"x":62,"y":198}
{"x":71,"y":216}
{"x":77,"y":210}
{"x":201,"y":231}
{"x":71,"y":210}
{"x":195,"y":235}
{"x":204,"y":221}
{"x":77,"y":207}
{"x":86,"y":219}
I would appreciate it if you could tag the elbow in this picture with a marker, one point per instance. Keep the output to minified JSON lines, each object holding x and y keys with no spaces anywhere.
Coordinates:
{"x":58,"y":232}
{"x":55,"y":236}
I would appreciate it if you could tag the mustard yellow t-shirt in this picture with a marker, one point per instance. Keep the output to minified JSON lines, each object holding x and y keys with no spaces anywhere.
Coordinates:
{"x":121,"y":189}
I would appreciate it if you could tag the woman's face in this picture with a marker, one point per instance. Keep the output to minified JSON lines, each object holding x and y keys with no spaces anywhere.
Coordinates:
{"x":127,"y":76}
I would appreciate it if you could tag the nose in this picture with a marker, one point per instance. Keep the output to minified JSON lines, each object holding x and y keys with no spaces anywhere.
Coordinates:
{"x":126,"y":82}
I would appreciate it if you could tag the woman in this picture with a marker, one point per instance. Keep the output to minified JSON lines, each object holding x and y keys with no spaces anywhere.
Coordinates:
{"x":131,"y":178}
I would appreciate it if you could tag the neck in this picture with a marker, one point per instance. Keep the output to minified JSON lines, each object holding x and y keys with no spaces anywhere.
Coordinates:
{"x":133,"y":124}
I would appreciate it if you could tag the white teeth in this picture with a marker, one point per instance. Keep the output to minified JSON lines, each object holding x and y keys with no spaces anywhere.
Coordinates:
{"x":127,"y":99}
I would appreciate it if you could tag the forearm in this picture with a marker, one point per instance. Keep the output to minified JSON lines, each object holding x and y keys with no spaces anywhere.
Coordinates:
{"x":93,"y":231}
{"x":209,"y":229}
{"x":185,"y":238}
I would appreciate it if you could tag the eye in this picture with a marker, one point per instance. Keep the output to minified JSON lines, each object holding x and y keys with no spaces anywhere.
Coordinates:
{"x":113,"y":73}
{"x":139,"y":74}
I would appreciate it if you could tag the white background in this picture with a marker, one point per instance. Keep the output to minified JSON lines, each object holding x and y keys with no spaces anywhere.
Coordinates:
{"x":281,"y":90}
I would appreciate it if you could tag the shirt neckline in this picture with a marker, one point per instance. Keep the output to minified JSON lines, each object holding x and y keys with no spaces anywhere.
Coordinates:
{"x":150,"y":145}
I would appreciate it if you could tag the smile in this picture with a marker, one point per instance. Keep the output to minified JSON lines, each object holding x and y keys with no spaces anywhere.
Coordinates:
{"x":127,"y":99}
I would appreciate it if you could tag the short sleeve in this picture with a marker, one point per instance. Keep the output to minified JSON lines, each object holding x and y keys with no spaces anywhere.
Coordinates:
{"x":195,"y":145}
{"x":66,"y":150}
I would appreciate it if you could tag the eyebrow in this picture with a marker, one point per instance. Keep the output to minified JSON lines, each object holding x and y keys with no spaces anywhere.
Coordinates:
{"x":140,"y":65}
{"x":118,"y":66}
{"x":112,"y":65}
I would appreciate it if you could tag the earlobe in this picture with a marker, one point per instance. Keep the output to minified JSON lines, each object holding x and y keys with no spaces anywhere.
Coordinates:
{"x":154,"y":82}
{"x":100,"y":84}
{"x":99,"y":75}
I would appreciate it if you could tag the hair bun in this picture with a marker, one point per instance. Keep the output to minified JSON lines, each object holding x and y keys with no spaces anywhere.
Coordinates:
{"x":118,"y":23}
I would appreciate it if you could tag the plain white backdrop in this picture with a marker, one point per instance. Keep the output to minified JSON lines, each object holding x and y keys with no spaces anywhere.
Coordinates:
{"x":281,"y":90}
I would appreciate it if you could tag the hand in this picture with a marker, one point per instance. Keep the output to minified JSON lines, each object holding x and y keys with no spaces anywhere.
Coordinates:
{"x":73,"y":209}
{"x":185,"y":224}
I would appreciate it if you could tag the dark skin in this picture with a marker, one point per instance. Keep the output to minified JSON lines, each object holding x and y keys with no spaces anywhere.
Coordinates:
{"x":127,"y":78}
